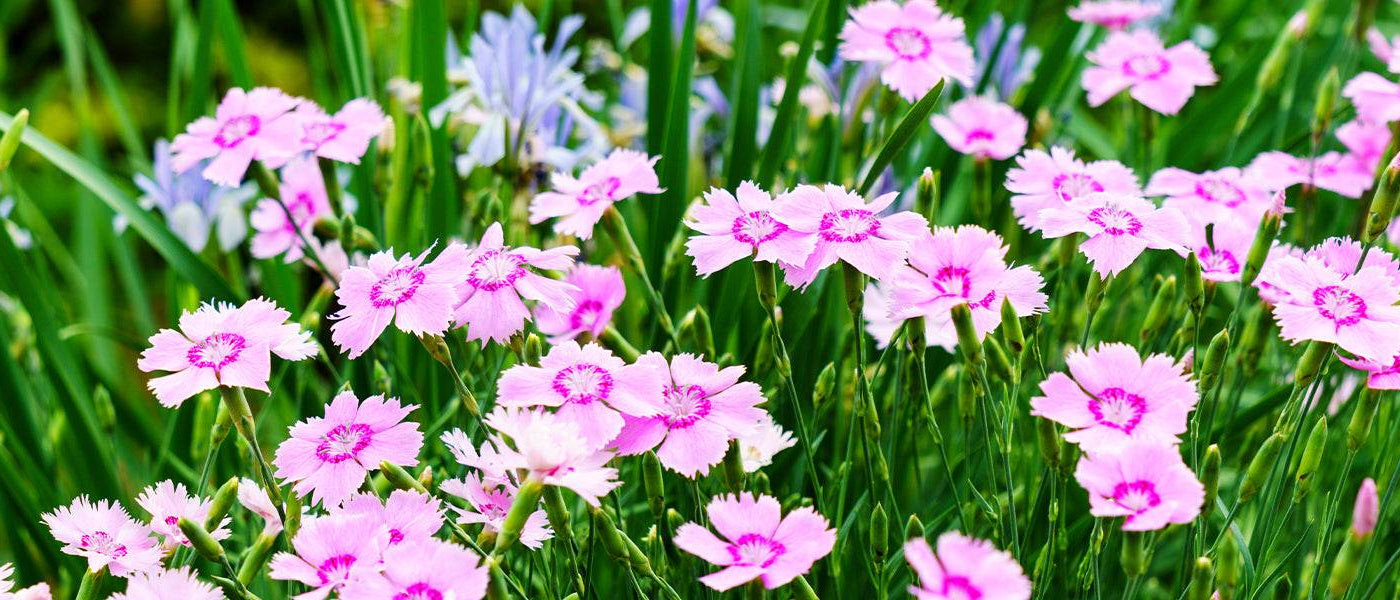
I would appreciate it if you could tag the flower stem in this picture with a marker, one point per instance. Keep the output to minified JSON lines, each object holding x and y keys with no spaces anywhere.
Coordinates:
{"x":242,"y":417}
{"x":616,"y":228}
{"x":765,"y":281}
{"x":268,"y":185}
{"x":92,"y":580}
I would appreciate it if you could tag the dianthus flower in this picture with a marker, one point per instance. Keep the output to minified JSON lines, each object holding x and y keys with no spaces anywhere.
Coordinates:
{"x":248,"y":126}
{"x":600,"y":292}
{"x":964,"y":567}
{"x":1162,"y":79}
{"x":329,"y":552}
{"x":344,"y":136}
{"x":1222,"y":196}
{"x":490,"y":490}
{"x":916,"y":44}
{"x":589,"y":387}
{"x":1377,"y":99}
{"x":304,"y":195}
{"x":1043,"y":180}
{"x":1146,"y":483}
{"x":847,"y":229}
{"x":38,"y":591}
{"x":582,"y":201}
{"x":405,"y":516}
{"x":1357,"y":313}
{"x":1332,"y":171}
{"x":426,"y":569}
{"x":167,"y":503}
{"x":1119,"y":227}
{"x":329,"y":456}
{"x":168,"y":584}
{"x":759,"y":443}
{"x":759,"y":542}
{"x":255,"y":499}
{"x":983,"y":128}
{"x":418,"y":298}
{"x":105,"y":535}
{"x":735,"y":226}
{"x":1116,"y":15}
{"x":1381,"y":375}
{"x":489,"y":301}
{"x":553,"y":451}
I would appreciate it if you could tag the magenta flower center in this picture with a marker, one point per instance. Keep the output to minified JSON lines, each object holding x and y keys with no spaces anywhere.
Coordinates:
{"x":1339,"y":305}
{"x":1220,"y":191}
{"x":1146,"y":66}
{"x":102,"y":543}
{"x":686,"y":405}
{"x":756,"y":227}
{"x":848,"y":225}
{"x":318,"y":133}
{"x":301,"y":208}
{"x":908,"y":43}
{"x":979,"y":135}
{"x":343,"y":442}
{"x":1073,"y":185}
{"x":1115,"y":221}
{"x":419,"y":591}
{"x":586,"y":314}
{"x":599,"y":192}
{"x":172,"y":520}
{"x":583,"y":383}
{"x":1222,"y":261}
{"x":958,"y":587}
{"x":496,"y":505}
{"x":1118,"y":409}
{"x":336,"y":569}
{"x":395,"y":536}
{"x":754,"y":550}
{"x":496,"y":269}
{"x":1137,"y":496}
{"x":397,"y":287}
{"x":235,"y":130}
{"x":216,"y":351}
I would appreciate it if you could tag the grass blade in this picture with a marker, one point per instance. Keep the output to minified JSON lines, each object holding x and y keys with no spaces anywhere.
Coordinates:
{"x":743,"y":124}
{"x":775,"y":152}
{"x":675,"y":160}
{"x":913,"y":121}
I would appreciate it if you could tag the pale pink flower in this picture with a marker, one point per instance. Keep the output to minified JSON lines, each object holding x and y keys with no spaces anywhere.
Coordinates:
{"x":222,"y":345}
{"x":1269,"y":292}
{"x":582,"y":201}
{"x":1365,"y":142}
{"x":1333,"y":171}
{"x":1162,"y":79}
{"x":1343,"y":256}
{"x":964,"y":567}
{"x":1211,"y":197}
{"x":700,"y":409}
{"x":1119,"y":227}
{"x":304,"y":194}
{"x":1115,"y":397}
{"x":600,"y":292}
{"x":1367,"y":509}
{"x":254,"y":498}
{"x":39,"y":591}
{"x":1381,"y":375}
{"x":1384,"y":48}
{"x":1356,"y":313}
{"x":588,"y":386}
{"x":733,"y":228}
{"x":490,"y":492}
{"x":330,"y":552}
{"x":345,"y":136}
{"x":1116,"y":15}
{"x":405,"y":516}
{"x":168,"y":502}
{"x":553,"y":451}
{"x":1377,"y":99}
{"x":1232,"y":239}
{"x":489,"y":301}
{"x":983,"y":128}
{"x":418,"y":298}
{"x":1146,"y":483}
{"x":847,"y":229}
{"x":105,"y":535}
{"x":759,"y":443}
{"x":1040,"y":181}
{"x":917,"y":44}
{"x":248,"y":126}
{"x":168,"y":584}
{"x":759,"y":542}
{"x":966,"y":265}
{"x":427,"y":569}
{"x":329,"y":456}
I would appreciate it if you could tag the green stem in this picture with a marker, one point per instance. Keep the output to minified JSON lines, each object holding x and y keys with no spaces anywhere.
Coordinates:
{"x":616,"y":228}
{"x":242,"y":416}
{"x":87,"y":589}
{"x":766,"y":283}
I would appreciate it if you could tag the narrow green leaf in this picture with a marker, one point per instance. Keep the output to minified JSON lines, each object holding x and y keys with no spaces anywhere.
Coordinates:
{"x":775,"y":152}
{"x":743,"y":124}
{"x":235,"y":52}
{"x":675,"y":160}
{"x":658,"y":74}
{"x":913,"y":121}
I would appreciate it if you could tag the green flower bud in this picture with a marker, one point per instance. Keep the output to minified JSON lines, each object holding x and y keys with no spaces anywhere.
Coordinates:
{"x":1210,"y":478}
{"x":734,"y":467}
{"x":256,"y":558}
{"x":1000,"y":364}
{"x":1160,"y":310}
{"x":1311,"y":363}
{"x":527,"y":501}
{"x":1263,"y":241}
{"x":695,"y":331}
{"x":425,"y":477}
{"x":1312,"y":458}
{"x":399,"y":478}
{"x":913,"y":528}
{"x":968,"y":341}
{"x":1200,"y":580}
{"x":292,"y":524}
{"x":1193,"y":285}
{"x":1259,"y":468}
{"x":926,"y":195}
{"x":1049,"y":440}
{"x":9,"y":144}
{"x":1094,"y":292}
{"x":1346,"y":566}
{"x":1326,"y":101}
{"x":654,"y":485}
{"x":760,"y":483}
{"x":1382,"y":203}
{"x":533,"y":349}
{"x":1227,"y":557}
{"x":383,"y":384}
{"x":879,"y":534}
{"x":1214,"y":361}
{"x":1011,"y":331}
{"x":674,"y":519}
{"x":1134,"y":556}
{"x":1257,"y":333}
{"x":223,"y":500}
{"x":1360,"y":426}
{"x":608,"y":535}
{"x":199,"y":537}
{"x":102,"y":405}
{"x":826,"y":382}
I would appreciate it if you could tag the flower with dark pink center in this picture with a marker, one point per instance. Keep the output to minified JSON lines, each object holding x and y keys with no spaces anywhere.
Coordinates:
{"x":329,"y":456}
{"x":248,"y":126}
{"x":427,"y":569}
{"x":600,"y":292}
{"x":489,"y":490}
{"x":167,"y":502}
{"x":330,"y":552}
{"x":1161,"y":78}
{"x":1356,"y":312}
{"x":1119,"y":227}
{"x":491,"y":302}
{"x":105,"y":535}
{"x":579,"y":202}
{"x":983,"y":128}
{"x":1042,"y":180}
{"x":1143,"y":481}
{"x":735,"y":226}
{"x":964,"y":568}
{"x":417,"y":298}
{"x":916,"y":44}
{"x":758,"y":543}
{"x":847,"y":229}
{"x":587,"y":385}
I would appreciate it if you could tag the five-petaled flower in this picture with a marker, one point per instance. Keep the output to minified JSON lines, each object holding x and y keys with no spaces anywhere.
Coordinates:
{"x":419,"y":298}
{"x":329,"y":456}
{"x":917,"y":44}
{"x":249,"y":125}
{"x":759,"y":542}
{"x":105,"y":535}
{"x":734,"y":226}
{"x":489,"y":301}
{"x":983,"y":128}
{"x":1162,"y":79}
{"x":964,"y":567}
{"x":1119,"y":227}
{"x":1144,"y":482}
{"x":581,"y":201}
{"x":588,"y":386}
{"x":847,"y":229}
{"x":1357,"y":313}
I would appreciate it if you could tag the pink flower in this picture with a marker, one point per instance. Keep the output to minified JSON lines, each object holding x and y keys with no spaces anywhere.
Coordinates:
{"x":248,"y":126}
{"x":760,"y":442}
{"x":589,"y":387}
{"x":255,"y":499}
{"x":1377,"y":99}
{"x":701,"y":408}
{"x":105,"y":535}
{"x":582,"y":201}
{"x":167,"y":503}
{"x":1383,"y":48}
{"x":964,"y":568}
{"x":1211,"y":197}
{"x":406,"y":516}
{"x":427,"y":569}
{"x":1162,"y":79}
{"x":1333,"y":171}
{"x":967,"y":266}
{"x":329,"y":457}
{"x":1383,"y":375}
{"x":553,"y":451}
{"x":1365,"y":142}
{"x":331,"y":551}
{"x":489,"y":300}
{"x":491,"y":492}
{"x":1343,"y":256}
{"x":418,"y":298}
{"x":1146,"y":483}
{"x":168,"y":584}
{"x":847,"y":229}
{"x":1040,"y":181}
{"x":1115,"y":397}
{"x":983,"y":128}
{"x":304,"y":194}
{"x":38,"y":591}
{"x":1367,"y":509}
{"x":1225,"y":260}
{"x":600,"y":292}
{"x":344,"y":137}
{"x":917,"y":44}
{"x":222,"y":345}
{"x":1116,"y":15}
{"x":734,"y":228}
{"x":759,"y":542}
{"x":1119,"y":227}
{"x":1356,"y":313}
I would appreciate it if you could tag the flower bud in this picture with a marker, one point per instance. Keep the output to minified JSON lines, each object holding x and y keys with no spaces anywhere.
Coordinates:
{"x":399,"y":478}
{"x":1193,"y":285}
{"x":1000,"y":365}
{"x":879,"y":534}
{"x":9,"y":144}
{"x":1263,"y":241}
{"x":1259,"y":468}
{"x":1312,"y":458}
{"x":1134,"y":556}
{"x":1200,"y":580}
{"x":383,"y":383}
{"x":1311,"y":363}
{"x":256,"y":557}
{"x":223,"y":500}
{"x":425,"y":477}
{"x":1360,"y":426}
{"x":968,"y":341}
{"x":1256,"y":335}
{"x":1210,"y":478}
{"x":1011,"y":331}
{"x":695,"y":331}
{"x":913,"y":528}
{"x":1094,"y":292}
{"x":608,"y":535}
{"x":654,"y":485}
{"x":967,"y":397}
{"x":199,"y":537}
{"x":1049,"y":440}
{"x":527,"y":501}
{"x":1161,"y":308}
{"x":102,"y":405}
{"x":1326,"y":101}
{"x":1366,"y":512}
{"x":826,"y":381}
{"x":1227,"y":559}
{"x":1346,"y":566}
{"x":1214,"y":361}
{"x":1383,"y":202}
{"x":292,"y":523}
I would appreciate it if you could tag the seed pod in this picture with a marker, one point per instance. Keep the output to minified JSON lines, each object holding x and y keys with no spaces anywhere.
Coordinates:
{"x":926,"y":195}
{"x":913,"y":528}
{"x":969,"y":343}
{"x":1011,"y":330}
{"x":1049,"y":439}
{"x":1214,"y":361}
{"x":826,"y":381}
{"x":9,"y":144}
{"x":223,"y":500}
{"x":1134,"y":556}
{"x":1312,"y":458}
{"x":1161,"y":308}
{"x":1200,"y":580}
{"x":879,"y":534}
{"x":199,"y":537}
{"x":1360,"y":427}
{"x":1000,"y":365}
{"x":1210,"y":478}
{"x":1260,"y":467}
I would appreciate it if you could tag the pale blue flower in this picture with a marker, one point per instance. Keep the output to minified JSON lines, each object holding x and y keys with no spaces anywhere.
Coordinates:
{"x":192,"y":205}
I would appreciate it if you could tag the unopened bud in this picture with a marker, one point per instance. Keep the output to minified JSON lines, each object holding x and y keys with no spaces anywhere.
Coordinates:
{"x":1326,"y":102}
{"x":654,"y":485}
{"x":968,"y":341}
{"x":1049,"y":440}
{"x":1360,"y":426}
{"x":1383,"y":202}
{"x":1011,"y":331}
{"x":1214,"y":361}
{"x":1259,"y":468}
{"x":199,"y":537}
{"x":102,"y":405}
{"x":1161,"y":308}
{"x":879,"y":534}
{"x":926,"y":195}
{"x":734,"y":467}
{"x":399,"y":478}
{"x":1312,"y":458}
{"x":1227,"y":559}
{"x":826,"y":382}
{"x":607,"y":534}
{"x":222,"y":501}
{"x":1366,"y":512}
{"x":533,"y":350}
{"x":1210,"y":478}
{"x":9,"y":144}
{"x":913,"y":528}
{"x":1193,"y":285}
{"x":1311,"y":363}
{"x":695,"y":331}
{"x":1200,"y":580}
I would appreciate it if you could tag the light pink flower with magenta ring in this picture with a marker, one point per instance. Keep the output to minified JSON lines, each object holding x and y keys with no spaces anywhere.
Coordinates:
{"x":588,"y":386}
{"x":759,"y":542}
{"x":1146,"y":483}
{"x":405,"y":516}
{"x":428,"y":569}
{"x":304,"y":195}
{"x":600,"y":292}
{"x":582,"y":201}
{"x":1356,"y":313}
{"x":983,"y":128}
{"x":917,"y":44}
{"x":1042,"y":180}
{"x":330,"y":552}
{"x":735,"y":226}
{"x":552,"y":450}
{"x":418,"y":298}
{"x":345,"y":136}
{"x":168,"y":502}
{"x":1162,"y":79}
{"x":166,"y":584}
{"x":1120,"y":227}
{"x":329,"y":456}
{"x":489,"y":301}
{"x":490,"y":490}
{"x":248,"y":126}
{"x":847,"y":229}
{"x":1222,"y":196}
{"x":105,"y":535}
{"x":964,"y":567}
